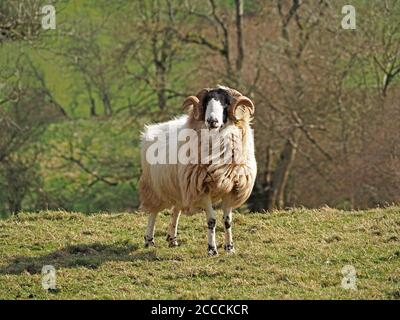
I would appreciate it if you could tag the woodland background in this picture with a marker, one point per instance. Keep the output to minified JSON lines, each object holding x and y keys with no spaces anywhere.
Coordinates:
{"x":74,"y":100}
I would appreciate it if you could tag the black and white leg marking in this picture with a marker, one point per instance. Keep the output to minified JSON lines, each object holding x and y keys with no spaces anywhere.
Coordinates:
{"x":228,"y":229}
{"x":211,"y":222}
{"x":148,"y":242}
{"x":173,"y":228}
{"x":149,"y":236}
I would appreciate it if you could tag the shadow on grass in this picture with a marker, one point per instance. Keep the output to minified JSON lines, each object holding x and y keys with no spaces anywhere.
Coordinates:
{"x":87,"y":255}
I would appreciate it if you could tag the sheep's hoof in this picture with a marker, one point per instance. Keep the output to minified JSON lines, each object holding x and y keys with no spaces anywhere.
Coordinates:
{"x":229,"y":248}
{"x":172,"y":241}
{"x":173,"y":244}
{"x":212,"y":251}
{"x":148,"y":242}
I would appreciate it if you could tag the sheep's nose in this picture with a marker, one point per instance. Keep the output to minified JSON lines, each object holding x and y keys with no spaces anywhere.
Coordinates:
{"x":212,"y":122}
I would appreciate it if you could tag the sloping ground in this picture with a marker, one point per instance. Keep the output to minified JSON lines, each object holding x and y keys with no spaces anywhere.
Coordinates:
{"x":297,"y":254}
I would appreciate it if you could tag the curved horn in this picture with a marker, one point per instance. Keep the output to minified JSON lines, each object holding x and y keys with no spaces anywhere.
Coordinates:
{"x":232,"y":92}
{"x":197,"y":102}
{"x":191,"y":100}
{"x":241,"y":101}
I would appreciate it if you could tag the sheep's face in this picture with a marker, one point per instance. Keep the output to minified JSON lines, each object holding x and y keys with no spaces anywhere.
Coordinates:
{"x":219,"y":107}
{"x":216,"y":104}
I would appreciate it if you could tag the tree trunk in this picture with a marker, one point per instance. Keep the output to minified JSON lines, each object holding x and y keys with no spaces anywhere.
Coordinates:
{"x":106,"y":104}
{"x":162,"y":101}
{"x":276,"y":190}
{"x":15,"y":205}
{"x":92,"y":101}
{"x":263,"y":182}
{"x":240,"y":40}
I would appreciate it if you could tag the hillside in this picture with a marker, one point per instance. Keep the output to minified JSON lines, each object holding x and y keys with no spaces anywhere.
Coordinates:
{"x":296,"y":254}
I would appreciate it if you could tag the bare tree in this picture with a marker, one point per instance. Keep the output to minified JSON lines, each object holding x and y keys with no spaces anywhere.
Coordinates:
{"x":384,"y":43}
{"x":19,"y":21}
{"x":296,"y":31}
{"x":153,"y":53}
{"x":220,"y":41}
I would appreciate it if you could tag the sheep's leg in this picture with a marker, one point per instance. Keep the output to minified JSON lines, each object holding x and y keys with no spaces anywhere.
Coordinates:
{"x":173,"y":228}
{"x":149,"y":236}
{"x":211,"y":221}
{"x":228,"y":229}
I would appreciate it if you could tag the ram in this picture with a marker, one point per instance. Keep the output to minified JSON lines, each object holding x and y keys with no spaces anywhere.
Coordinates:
{"x":209,"y":160}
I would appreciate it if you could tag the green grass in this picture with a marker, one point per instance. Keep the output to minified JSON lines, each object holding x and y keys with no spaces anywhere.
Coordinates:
{"x":296,"y":254}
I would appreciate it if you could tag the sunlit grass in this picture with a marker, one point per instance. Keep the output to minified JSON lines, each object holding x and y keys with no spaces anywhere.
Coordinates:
{"x":296,"y":254}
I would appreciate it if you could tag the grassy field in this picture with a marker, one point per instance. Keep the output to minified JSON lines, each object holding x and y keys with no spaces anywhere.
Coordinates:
{"x":296,"y":254}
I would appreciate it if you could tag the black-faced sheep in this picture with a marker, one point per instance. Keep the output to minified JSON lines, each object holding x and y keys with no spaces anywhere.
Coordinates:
{"x":198,"y":160}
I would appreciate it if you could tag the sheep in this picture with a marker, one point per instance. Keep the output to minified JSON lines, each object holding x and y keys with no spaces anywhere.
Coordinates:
{"x":189,"y":186}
